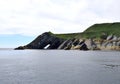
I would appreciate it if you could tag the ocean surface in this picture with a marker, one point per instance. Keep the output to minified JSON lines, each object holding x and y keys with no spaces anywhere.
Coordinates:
{"x":59,"y":67}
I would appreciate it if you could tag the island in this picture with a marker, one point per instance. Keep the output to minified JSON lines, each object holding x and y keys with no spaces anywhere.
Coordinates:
{"x":103,"y":36}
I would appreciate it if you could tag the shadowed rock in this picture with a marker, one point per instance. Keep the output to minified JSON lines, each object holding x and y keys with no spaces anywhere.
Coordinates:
{"x":110,"y":37}
{"x":67,"y":44}
{"x":42,"y":41}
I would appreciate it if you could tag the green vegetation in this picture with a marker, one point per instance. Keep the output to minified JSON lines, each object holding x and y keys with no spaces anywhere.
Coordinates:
{"x":95,"y":31}
{"x":67,"y":36}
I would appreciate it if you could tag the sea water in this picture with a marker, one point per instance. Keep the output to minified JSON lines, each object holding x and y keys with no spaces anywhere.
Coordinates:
{"x":59,"y":67}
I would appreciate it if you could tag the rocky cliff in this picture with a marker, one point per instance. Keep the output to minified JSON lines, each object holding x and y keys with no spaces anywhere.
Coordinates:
{"x":49,"y":41}
{"x":97,"y":37}
{"x":44,"y":41}
{"x":111,"y":42}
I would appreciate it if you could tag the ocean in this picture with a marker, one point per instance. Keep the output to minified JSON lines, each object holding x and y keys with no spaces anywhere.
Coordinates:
{"x":59,"y":67}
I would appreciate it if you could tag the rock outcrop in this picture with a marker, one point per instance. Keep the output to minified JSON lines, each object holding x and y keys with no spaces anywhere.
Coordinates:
{"x":50,"y":41}
{"x":91,"y":45}
{"x":110,"y":42}
{"x":44,"y":41}
{"x":73,"y":44}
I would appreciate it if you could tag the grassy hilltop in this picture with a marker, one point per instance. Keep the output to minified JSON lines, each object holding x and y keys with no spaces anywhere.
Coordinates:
{"x":95,"y":31}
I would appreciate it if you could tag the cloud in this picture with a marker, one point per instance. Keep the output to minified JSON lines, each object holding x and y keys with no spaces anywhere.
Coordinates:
{"x":33,"y":17}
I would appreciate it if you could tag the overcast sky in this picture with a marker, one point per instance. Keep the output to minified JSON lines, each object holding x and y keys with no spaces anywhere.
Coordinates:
{"x":33,"y":17}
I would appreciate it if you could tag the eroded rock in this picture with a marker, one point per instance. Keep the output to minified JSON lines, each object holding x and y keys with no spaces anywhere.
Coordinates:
{"x":42,"y":41}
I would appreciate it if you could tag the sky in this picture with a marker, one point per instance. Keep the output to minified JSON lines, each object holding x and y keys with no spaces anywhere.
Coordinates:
{"x":28,"y":18}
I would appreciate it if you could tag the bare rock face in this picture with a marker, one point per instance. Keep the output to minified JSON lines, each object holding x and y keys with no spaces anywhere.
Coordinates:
{"x":115,"y":38}
{"x":42,"y":41}
{"x":73,"y":44}
{"x":110,"y":37}
{"x":83,"y":45}
{"x":64,"y":44}
{"x":91,"y":44}
{"x":48,"y":40}
{"x":76,"y":42}
{"x":67,"y":44}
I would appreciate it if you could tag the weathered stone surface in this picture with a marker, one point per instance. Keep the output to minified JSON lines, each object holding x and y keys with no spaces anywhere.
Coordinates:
{"x":64,"y":44}
{"x":81,"y":46}
{"x":91,"y":45}
{"x":42,"y":41}
{"x":76,"y":42}
{"x":110,"y":37}
{"x":50,"y":41}
{"x":67,"y":44}
{"x":115,"y":38}
{"x":55,"y":43}
{"x":118,"y":43}
{"x":84,"y":47}
{"x":77,"y":47}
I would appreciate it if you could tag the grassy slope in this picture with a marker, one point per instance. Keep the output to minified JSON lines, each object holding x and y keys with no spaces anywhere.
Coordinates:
{"x":67,"y":36}
{"x":95,"y":30}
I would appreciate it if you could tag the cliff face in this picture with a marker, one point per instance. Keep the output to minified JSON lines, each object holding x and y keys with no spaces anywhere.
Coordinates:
{"x":111,"y":42}
{"x":97,"y":37}
{"x":44,"y":41}
{"x":48,"y":41}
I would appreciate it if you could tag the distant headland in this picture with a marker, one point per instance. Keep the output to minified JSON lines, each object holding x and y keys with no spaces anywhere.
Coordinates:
{"x":104,"y":36}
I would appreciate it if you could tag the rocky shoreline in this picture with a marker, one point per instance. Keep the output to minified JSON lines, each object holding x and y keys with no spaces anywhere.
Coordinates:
{"x":48,"y":41}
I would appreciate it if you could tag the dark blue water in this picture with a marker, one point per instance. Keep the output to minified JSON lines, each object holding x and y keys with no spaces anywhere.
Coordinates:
{"x":59,"y":67}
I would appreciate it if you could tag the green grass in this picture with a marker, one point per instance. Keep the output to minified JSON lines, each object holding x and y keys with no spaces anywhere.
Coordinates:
{"x":95,"y":31}
{"x":64,"y":36}
{"x":67,"y":36}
